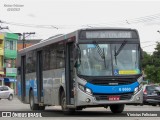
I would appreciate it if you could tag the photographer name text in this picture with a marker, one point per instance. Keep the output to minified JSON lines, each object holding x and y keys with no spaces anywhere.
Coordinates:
{"x":13,"y":7}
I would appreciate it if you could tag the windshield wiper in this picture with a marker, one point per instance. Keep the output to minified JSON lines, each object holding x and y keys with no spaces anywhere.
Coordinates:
{"x":79,"y":53}
{"x":101,"y":52}
{"x":116,"y":52}
{"x":120,"y":48}
{"x":115,"y":57}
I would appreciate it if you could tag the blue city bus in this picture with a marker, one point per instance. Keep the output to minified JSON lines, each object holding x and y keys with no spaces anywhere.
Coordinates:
{"x":92,"y":67}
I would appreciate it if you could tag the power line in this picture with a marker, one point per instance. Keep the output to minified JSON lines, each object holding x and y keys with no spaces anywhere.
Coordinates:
{"x":144,"y":19}
{"x":30,"y":25}
{"x":150,"y":41}
{"x":149,"y":45}
{"x":1,"y":28}
{"x":127,"y":21}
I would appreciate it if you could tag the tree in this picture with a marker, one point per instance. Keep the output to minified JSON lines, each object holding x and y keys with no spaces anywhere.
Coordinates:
{"x":147,"y":59}
{"x":151,"y":65}
{"x":151,"y":73}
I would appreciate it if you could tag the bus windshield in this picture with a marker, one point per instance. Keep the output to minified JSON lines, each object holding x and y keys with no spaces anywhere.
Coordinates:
{"x":102,"y":60}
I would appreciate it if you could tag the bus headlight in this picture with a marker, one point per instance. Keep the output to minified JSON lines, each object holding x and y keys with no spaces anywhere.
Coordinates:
{"x":84,"y":89}
{"x":81,"y":87}
{"x":136,"y":90}
{"x":88,"y":91}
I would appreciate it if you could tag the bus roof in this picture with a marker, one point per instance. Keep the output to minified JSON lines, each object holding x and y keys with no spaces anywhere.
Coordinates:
{"x":47,"y":42}
{"x":60,"y":37}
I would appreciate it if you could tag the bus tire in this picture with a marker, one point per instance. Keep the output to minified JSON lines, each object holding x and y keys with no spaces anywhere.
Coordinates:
{"x":117,"y":108}
{"x":65,"y":110}
{"x":33,"y":106}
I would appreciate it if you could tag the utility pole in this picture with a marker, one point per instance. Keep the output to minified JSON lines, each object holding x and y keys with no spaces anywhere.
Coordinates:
{"x":1,"y":28}
{"x":24,"y":36}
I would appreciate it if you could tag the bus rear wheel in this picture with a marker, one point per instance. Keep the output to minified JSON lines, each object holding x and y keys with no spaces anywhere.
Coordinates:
{"x":33,"y":106}
{"x":64,"y":105}
{"x":118,"y":108}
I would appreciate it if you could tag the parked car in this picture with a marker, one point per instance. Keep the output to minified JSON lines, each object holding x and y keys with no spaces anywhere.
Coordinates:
{"x":6,"y":93}
{"x":151,"y":95}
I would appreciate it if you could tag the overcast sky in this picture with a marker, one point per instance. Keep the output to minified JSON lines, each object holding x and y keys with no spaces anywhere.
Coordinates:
{"x":69,"y":15}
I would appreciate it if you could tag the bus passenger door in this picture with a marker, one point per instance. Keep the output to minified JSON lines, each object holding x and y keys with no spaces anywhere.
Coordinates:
{"x":39,"y":74}
{"x":23,"y":80}
{"x":69,"y":73}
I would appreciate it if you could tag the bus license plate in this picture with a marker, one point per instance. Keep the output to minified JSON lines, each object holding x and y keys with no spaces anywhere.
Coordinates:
{"x":114,"y":98}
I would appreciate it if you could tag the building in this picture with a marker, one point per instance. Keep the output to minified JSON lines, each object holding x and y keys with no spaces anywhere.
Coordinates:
{"x":9,"y":46}
{"x":27,"y":43}
{"x":8,"y":55}
{"x":1,"y":58}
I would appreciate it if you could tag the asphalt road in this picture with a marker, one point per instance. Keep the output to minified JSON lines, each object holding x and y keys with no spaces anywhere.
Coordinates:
{"x":86,"y":114}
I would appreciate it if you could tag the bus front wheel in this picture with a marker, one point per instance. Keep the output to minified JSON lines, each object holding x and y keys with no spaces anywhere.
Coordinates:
{"x":64,"y":105}
{"x":118,"y":108}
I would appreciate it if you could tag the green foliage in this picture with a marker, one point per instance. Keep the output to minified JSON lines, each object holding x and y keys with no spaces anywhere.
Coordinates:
{"x":152,"y":73}
{"x":147,"y":59}
{"x":151,"y":65}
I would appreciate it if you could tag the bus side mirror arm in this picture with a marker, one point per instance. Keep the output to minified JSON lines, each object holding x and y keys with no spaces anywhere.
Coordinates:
{"x":77,"y":54}
{"x":141,"y":54}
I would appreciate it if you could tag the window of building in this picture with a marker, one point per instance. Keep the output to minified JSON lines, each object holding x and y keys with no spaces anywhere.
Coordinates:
{"x":11,"y":45}
{"x":7,"y":44}
{"x":14,"y":45}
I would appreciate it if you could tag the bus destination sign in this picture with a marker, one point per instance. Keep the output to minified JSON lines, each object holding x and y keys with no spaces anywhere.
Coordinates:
{"x":106,"y":34}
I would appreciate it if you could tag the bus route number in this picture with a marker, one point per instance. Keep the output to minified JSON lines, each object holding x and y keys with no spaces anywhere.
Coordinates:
{"x":125,"y":89}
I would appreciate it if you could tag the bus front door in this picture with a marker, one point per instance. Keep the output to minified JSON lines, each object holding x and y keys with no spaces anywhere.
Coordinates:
{"x":23,"y":80}
{"x":69,"y":74}
{"x":39,"y":77}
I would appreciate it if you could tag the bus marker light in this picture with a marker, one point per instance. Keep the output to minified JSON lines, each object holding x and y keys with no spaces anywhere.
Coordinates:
{"x":135,"y":90}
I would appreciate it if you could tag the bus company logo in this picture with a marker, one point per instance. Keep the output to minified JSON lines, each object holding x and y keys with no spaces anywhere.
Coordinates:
{"x":6,"y":114}
{"x":113,"y":83}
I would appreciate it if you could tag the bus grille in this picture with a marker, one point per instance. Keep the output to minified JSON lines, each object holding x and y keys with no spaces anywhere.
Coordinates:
{"x":125,"y":96}
{"x":107,"y":82}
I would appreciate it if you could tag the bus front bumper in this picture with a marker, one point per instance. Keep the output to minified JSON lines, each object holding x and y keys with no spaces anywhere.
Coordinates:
{"x":84,"y":99}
